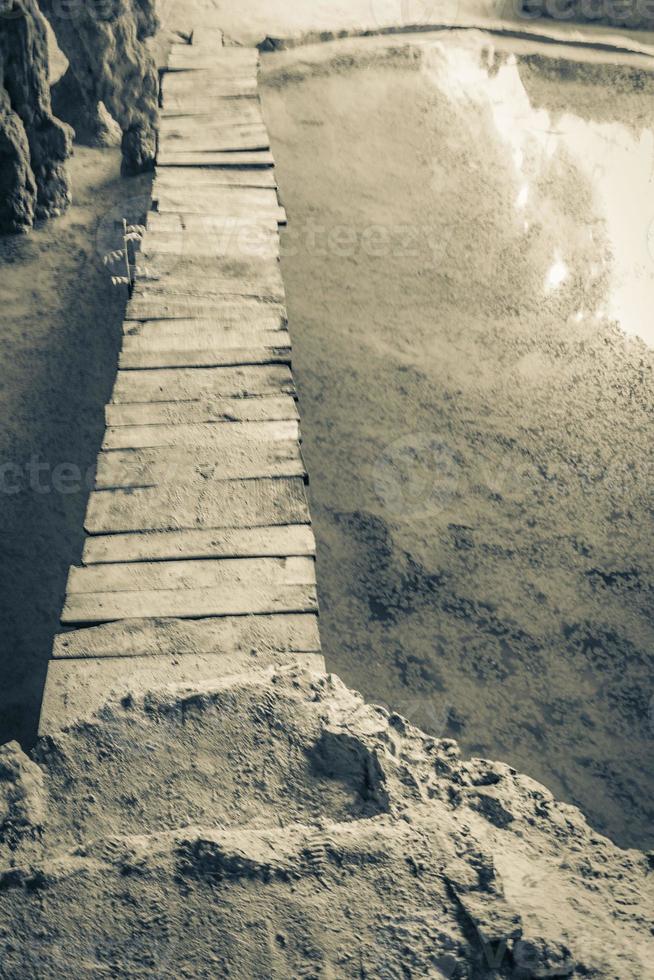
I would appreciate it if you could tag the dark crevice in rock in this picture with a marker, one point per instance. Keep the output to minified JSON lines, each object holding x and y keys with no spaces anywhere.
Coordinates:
{"x":110,"y":64}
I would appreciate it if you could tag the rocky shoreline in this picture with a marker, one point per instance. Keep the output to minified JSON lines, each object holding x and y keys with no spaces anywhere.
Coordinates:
{"x":143,"y":841}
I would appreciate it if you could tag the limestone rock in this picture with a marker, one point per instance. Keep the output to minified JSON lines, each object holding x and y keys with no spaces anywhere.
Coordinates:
{"x":92,"y":123}
{"x":273,"y":825}
{"x":22,"y":797}
{"x":17,"y":183}
{"x":34,"y":146}
{"x":111,"y":64}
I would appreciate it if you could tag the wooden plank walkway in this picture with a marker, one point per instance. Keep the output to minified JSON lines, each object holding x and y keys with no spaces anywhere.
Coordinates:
{"x":199,"y":557}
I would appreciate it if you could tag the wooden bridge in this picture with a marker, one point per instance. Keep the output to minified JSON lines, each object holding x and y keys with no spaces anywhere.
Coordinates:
{"x":199,"y":558}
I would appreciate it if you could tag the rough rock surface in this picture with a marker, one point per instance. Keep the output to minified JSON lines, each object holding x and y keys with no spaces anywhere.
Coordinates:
{"x":92,"y":123}
{"x":109,"y":63}
{"x":33,"y":144}
{"x":273,"y":825}
{"x":620,"y":13}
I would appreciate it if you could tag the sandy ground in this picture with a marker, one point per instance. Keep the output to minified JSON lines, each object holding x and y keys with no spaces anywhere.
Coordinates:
{"x":59,"y":341}
{"x":477,"y":428}
{"x":271,"y":825}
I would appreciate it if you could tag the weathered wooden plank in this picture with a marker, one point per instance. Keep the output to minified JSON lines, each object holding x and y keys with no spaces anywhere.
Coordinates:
{"x":258,"y":277}
{"x":228,"y":114}
{"x":243,"y":459}
{"x":238,"y":503}
{"x":191,"y":203}
{"x":194,"y":132}
{"x":248,"y":220}
{"x":225,"y":207}
{"x":238,"y":309}
{"x":251,"y":635}
{"x":184,"y":79}
{"x":199,"y":334}
{"x":183,"y":278}
{"x":180,"y":178}
{"x":227,"y":53}
{"x":191,"y":603}
{"x":215,"y":112}
{"x":231,"y":308}
{"x":265,"y":283}
{"x":226,"y":230}
{"x":260,"y":409}
{"x":202,"y":574}
{"x":227,"y":210}
{"x":251,"y":203}
{"x":160,"y":266}
{"x":254,"y":241}
{"x":170,"y":248}
{"x":179,"y":213}
{"x":192,"y":384}
{"x":202,"y":434}
{"x":225,"y":139}
{"x":179,"y":90}
{"x":191,"y":59}
{"x":184,"y":575}
{"x":248,"y":116}
{"x":77,"y":689}
{"x":230,"y":54}
{"x":173,"y":328}
{"x":237,"y":158}
{"x":138,"y":360}
{"x":223,"y":242}
{"x":202,"y":102}
{"x":208,"y":37}
{"x":227,"y":278}
{"x":214,"y":291}
{"x":198,"y":339}
{"x":210,"y":243}
{"x":201,"y":64}
{"x":290,"y":539}
{"x":249,"y":257}
{"x":187,"y":75}
{"x":241,"y":246}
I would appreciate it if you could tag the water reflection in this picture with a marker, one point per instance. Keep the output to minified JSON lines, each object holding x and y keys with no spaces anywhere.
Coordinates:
{"x":557,"y":274}
{"x":614,"y":160}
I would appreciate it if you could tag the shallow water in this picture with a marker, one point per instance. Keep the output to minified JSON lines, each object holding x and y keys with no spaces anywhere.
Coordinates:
{"x":615,"y":158}
{"x":466,"y":255}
